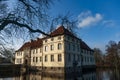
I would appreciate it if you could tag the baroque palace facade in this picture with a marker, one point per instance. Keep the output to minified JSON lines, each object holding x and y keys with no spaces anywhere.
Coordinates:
{"x":61,"y":51}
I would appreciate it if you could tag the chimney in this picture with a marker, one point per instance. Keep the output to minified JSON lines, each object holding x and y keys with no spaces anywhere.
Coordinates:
{"x":32,"y":40}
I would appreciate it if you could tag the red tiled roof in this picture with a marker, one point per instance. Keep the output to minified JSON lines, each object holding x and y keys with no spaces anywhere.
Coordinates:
{"x":83,"y":45}
{"x":36,"y":43}
{"x":33,"y":44}
{"x":26,"y":45}
{"x":61,"y":30}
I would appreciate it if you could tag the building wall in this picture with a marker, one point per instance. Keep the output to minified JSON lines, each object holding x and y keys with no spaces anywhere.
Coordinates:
{"x":60,"y":52}
{"x":36,"y":57}
{"x":72,"y":51}
{"x":52,"y":51}
{"x":23,"y":57}
{"x":27,"y":55}
{"x":88,"y":57}
{"x":19,"y":57}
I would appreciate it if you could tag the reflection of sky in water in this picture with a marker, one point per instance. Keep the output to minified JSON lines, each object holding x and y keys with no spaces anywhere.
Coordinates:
{"x":106,"y":76}
{"x":6,"y":78}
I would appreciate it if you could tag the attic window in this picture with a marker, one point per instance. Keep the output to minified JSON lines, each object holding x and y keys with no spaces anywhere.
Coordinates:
{"x":45,"y":40}
{"x":59,"y":38}
{"x":52,"y":39}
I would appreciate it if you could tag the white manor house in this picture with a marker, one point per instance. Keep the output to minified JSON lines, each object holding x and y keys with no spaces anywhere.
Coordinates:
{"x":61,"y":51}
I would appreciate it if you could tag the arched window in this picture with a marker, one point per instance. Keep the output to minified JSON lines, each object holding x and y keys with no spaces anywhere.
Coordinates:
{"x":59,"y":46}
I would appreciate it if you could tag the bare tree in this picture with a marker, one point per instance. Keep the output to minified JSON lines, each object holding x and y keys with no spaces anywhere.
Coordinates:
{"x":98,"y":57}
{"x":8,"y":53}
{"x":30,"y":14}
{"x":23,"y":18}
{"x":112,"y":54}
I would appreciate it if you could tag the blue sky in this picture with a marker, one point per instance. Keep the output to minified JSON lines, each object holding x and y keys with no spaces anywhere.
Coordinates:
{"x":98,"y":20}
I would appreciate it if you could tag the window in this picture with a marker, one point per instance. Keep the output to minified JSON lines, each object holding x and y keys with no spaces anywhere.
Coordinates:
{"x":36,"y":50}
{"x":36,"y":59}
{"x":69,"y":46}
{"x":51,"y":47}
{"x":85,"y":59}
{"x":69,"y":57}
{"x":46,"y":48}
{"x":45,"y":40}
{"x":68,"y":38}
{"x":73,"y":47}
{"x":21,"y":53}
{"x":73,"y":39}
{"x":40,"y":59}
{"x":19,"y":61}
{"x":59,"y":38}
{"x":73,"y":57}
{"x":17,"y":54}
{"x":33,"y":51}
{"x":52,"y":39}
{"x":82,"y":51}
{"x":59,"y":46}
{"x":52,"y":58}
{"x":45,"y":58}
{"x":40,"y":50}
{"x":78,"y":57}
{"x":77,"y":47}
{"x":59,"y":57}
{"x":33,"y":59}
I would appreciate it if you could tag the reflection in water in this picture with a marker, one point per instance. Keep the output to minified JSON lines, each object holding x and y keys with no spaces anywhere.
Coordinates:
{"x":98,"y":75}
{"x":107,"y":75}
{"x":39,"y":76}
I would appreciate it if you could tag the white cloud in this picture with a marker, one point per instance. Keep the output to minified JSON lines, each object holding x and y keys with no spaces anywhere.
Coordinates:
{"x":87,"y":19}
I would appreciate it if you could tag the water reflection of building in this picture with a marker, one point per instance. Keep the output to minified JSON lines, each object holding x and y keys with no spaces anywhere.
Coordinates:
{"x":59,"y":52}
{"x":37,"y":76}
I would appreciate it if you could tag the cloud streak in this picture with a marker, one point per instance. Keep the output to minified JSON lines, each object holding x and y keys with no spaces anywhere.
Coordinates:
{"x":109,"y":23}
{"x":86,"y":19}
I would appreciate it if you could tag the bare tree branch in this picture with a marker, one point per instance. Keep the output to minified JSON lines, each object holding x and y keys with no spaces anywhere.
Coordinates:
{"x":6,"y":22}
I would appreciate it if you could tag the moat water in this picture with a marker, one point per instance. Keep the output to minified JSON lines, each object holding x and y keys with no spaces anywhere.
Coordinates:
{"x":99,"y":74}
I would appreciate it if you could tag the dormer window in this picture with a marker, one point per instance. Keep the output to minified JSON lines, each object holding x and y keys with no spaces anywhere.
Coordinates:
{"x":59,"y":38}
{"x":46,"y":40}
{"x":52,"y":39}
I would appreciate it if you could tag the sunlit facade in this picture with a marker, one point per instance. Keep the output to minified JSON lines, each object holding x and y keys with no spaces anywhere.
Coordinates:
{"x":61,"y":51}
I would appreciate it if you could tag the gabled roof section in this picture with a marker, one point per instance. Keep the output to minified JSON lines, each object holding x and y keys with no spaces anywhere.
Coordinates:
{"x":33,"y":44}
{"x":36,"y":43}
{"x":60,"y":31}
{"x":85,"y":46}
{"x":26,"y":45}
